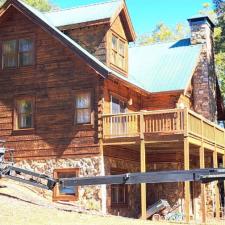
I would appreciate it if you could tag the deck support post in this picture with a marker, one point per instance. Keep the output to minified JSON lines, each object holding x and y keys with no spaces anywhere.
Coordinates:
{"x":215,"y":165}
{"x":187,"y":195}
{"x":143,"y":169}
{"x":223,"y":194}
{"x":203,"y":197}
{"x":143,"y":186}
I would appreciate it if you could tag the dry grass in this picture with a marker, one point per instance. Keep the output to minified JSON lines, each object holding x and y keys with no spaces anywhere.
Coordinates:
{"x":20,"y":205}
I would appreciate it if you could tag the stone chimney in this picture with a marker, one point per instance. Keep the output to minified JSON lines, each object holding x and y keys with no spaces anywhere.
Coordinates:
{"x":204,"y":80}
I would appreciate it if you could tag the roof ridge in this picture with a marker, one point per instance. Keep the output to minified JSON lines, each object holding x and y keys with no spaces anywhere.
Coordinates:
{"x":158,"y":43}
{"x":83,"y":6}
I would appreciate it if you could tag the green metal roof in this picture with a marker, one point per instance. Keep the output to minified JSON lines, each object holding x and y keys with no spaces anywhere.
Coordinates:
{"x":163,"y":67}
{"x":87,"y":13}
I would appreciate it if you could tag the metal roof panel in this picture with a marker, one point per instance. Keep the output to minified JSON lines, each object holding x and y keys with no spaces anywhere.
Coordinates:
{"x":83,"y":14}
{"x":164,"y":67}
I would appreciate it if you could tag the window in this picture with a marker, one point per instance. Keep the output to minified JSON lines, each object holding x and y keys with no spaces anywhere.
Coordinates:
{"x":118,"y":124}
{"x":83,"y":108}
{"x":25,"y":52}
{"x":119,"y":192}
{"x":9,"y":55}
{"x":17,"y":53}
{"x":121,"y":54}
{"x":62,"y":193}
{"x":24,"y":113}
{"x":118,"y":106}
{"x":118,"y":52}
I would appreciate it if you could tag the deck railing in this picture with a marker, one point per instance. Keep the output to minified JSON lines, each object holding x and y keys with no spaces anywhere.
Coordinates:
{"x":129,"y":124}
{"x":175,"y":121}
{"x":202,"y":128}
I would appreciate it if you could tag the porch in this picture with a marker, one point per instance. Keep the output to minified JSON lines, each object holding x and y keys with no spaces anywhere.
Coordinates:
{"x":159,"y":132}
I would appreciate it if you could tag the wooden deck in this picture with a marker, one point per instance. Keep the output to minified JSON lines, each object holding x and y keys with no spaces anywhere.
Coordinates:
{"x":168,"y":126}
{"x":151,"y":125}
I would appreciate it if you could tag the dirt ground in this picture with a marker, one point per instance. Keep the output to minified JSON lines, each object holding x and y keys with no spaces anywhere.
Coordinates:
{"x":24,"y":205}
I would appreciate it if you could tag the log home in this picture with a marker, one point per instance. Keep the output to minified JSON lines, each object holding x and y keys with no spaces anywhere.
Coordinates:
{"x":76,"y":100}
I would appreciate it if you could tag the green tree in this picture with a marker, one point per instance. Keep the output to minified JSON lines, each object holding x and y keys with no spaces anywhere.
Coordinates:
{"x":220,"y":42}
{"x":41,"y":5}
{"x":163,"y":33}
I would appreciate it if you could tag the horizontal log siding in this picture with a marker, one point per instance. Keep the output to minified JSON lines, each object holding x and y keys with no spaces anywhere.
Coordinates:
{"x":93,"y":38}
{"x":121,"y":92}
{"x":159,"y":101}
{"x":53,"y":79}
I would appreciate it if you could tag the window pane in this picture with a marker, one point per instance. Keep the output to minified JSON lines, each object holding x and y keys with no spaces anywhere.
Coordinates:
{"x":114,"y":54}
{"x":25,"y":114}
{"x":25,"y":121}
{"x":67,"y":190}
{"x":26,"y":58}
{"x":118,"y":106}
{"x":25,"y":106}
{"x":83,"y":116}
{"x":25,"y":45}
{"x":121,"y":194}
{"x":121,"y":48}
{"x":9,"y":53}
{"x":120,"y":61}
{"x":25,"y":52}
{"x":114,"y":193}
{"x":83,"y":100}
{"x":114,"y":42}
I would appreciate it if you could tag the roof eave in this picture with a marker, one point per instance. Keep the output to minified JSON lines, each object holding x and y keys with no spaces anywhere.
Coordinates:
{"x":129,"y":84}
{"x":84,"y":24}
{"x":130,"y":32}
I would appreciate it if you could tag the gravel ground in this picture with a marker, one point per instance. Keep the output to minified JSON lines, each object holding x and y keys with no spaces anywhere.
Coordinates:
{"x":24,"y":205}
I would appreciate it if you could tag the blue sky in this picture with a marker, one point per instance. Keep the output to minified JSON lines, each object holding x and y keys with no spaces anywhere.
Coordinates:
{"x":145,"y":14}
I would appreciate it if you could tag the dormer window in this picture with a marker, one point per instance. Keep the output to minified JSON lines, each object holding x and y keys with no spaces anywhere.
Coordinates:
{"x":118,"y":52}
{"x":17,"y":53}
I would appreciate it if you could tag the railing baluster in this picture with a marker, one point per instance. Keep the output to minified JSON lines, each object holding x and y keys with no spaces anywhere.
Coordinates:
{"x":170,"y":121}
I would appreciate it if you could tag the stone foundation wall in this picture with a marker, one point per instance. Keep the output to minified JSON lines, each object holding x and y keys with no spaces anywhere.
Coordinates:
{"x":90,"y":197}
{"x":172,"y":192}
{"x":134,"y":192}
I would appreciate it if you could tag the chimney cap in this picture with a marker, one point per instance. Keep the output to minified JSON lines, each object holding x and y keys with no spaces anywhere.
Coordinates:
{"x":202,"y":18}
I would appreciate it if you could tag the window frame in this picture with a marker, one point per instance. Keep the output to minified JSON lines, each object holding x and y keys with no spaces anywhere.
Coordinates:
{"x":56,"y":196}
{"x":117,"y":52}
{"x":120,"y":100}
{"x":31,"y":37}
{"x":117,"y":171}
{"x":16,"y":116}
{"x":20,"y":52}
{"x":3,"y":55}
{"x":77,"y":92}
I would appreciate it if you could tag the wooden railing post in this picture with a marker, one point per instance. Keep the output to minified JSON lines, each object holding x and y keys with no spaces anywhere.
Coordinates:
{"x":202,"y":166}
{"x":143,"y":169}
{"x":186,"y":128}
{"x":187,"y":195}
{"x":215,"y":165}
{"x":203,"y":197}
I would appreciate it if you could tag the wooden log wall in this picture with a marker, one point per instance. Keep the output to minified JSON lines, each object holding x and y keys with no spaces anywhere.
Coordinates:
{"x":163,"y":100}
{"x":123,"y":93}
{"x":93,"y":38}
{"x":52,"y":81}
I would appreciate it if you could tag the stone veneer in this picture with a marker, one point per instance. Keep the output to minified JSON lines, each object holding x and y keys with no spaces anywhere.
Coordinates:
{"x":93,"y":197}
{"x":90,"y":197}
{"x":134,"y":191}
{"x":204,"y":79}
{"x":172,"y":192}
